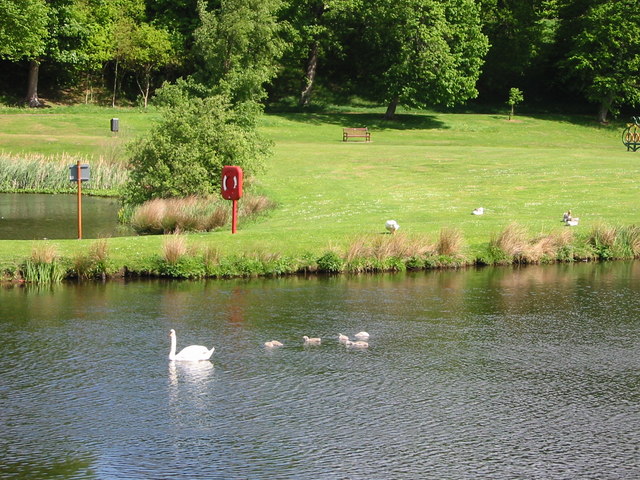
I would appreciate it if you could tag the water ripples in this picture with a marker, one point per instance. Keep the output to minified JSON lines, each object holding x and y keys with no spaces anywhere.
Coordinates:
{"x":455,"y":392}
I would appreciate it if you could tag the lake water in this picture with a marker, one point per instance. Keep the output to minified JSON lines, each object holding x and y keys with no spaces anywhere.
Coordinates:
{"x":501,"y":373}
{"x":37,"y":216}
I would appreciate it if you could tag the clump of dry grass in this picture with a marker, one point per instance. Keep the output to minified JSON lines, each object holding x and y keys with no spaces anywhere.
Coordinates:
{"x":450,"y":242}
{"x":512,"y":240}
{"x":604,"y":236}
{"x":516,"y":245}
{"x":382,"y":247}
{"x":632,"y":239}
{"x":252,"y":205}
{"x":45,"y":253}
{"x":174,"y":248}
{"x":192,"y":214}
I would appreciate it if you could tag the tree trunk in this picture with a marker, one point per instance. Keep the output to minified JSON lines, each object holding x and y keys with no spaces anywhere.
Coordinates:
{"x":310,"y":76}
{"x":144,"y":87}
{"x":115,"y":85}
{"x":391,"y":109}
{"x":605,"y":104}
{"x":32,"y":85}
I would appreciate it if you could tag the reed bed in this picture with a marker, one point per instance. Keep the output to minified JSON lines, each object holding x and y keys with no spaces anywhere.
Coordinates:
{"x":50,"y":173}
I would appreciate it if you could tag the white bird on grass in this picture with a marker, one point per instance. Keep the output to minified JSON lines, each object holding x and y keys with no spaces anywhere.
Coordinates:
{"x":311,"y":341}
{"x":192,"y":353}
{"x":391,"y":226}
{"x":478,"y":211}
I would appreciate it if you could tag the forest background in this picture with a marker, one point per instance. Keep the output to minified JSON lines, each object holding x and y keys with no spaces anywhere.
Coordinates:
{"x":578,"y":55}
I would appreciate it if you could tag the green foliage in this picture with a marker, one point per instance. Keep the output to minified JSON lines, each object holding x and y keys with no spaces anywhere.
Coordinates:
{"x":330,"y":262}
{"x":44,"y":265}
{"x":184,"y":154}
{"x":23,"y":28}
{"x":239,"y":45}
{"x":603,"y":58}
{"x":515,"y":97}
{"x":424,"y":52}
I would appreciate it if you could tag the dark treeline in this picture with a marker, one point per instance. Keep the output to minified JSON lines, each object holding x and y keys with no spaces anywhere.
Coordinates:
{"x":417,"y":53}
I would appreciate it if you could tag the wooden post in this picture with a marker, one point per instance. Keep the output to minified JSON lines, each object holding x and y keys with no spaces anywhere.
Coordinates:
{"x":79,"y":175}
{"x":234,"y":217}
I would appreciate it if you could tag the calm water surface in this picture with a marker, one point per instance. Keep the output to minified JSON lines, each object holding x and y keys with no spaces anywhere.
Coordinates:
{"x":37,"y":216}
{"x":497,"y":373}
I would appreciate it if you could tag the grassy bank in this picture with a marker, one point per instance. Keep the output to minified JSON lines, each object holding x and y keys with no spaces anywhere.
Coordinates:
{"x":428,"y":171}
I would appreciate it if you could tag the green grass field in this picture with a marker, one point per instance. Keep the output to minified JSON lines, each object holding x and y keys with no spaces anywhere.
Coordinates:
{"x":425,"y":170}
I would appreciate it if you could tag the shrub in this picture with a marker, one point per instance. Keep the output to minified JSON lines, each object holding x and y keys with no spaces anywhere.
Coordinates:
{"x":44,"y":266}
{"x":183,"y":155}
{"x":330,"y":262}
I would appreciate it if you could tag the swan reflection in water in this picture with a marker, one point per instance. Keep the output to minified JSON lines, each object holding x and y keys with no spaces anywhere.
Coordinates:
{"x":194,"y":373}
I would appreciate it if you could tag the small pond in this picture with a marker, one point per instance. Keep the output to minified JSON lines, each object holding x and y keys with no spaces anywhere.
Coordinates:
{"x":501,"y":373}
{"x":27,"y":216}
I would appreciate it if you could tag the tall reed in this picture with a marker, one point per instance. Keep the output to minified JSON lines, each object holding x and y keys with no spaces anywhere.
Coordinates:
{"x":44,"y":265}
{"x":50,"y":173}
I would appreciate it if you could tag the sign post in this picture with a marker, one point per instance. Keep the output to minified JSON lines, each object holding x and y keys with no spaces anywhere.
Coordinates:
{"x":79,"y":173}
{"x":232,"y":190}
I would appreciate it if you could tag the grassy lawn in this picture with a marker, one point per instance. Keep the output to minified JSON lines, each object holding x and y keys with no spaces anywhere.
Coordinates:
{"x":425,"y":170}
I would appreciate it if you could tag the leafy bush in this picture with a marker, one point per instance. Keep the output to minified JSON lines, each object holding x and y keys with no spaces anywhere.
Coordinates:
{"x":184,"y":154}
{"x":330,"y":262}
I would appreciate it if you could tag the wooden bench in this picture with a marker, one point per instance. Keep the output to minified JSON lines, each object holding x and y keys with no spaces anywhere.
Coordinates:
{"x":357,"y":132}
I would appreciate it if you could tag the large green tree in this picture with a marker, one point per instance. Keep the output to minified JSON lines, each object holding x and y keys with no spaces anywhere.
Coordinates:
{"x":421,"y":53}
{"x":239,"y":46}
{"x":23,"y":36}
{"x":603,"y":51}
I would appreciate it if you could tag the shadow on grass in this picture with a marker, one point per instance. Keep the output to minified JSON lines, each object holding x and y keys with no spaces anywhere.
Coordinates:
{"x":371,"y":120}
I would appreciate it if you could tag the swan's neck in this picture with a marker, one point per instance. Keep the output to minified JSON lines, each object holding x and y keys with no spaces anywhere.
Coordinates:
{"x":172,"y":352}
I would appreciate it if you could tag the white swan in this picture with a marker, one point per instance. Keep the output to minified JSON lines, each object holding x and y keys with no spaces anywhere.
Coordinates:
{"x":192,"y":353}
{"x":342,"y":338}
{"x":311,"y":341}
{"x":361,"y":335}
{"x":358,"y":344}
{"x":478,"y":211}
{"x":273,"y":344}
{"x":391,"y":226}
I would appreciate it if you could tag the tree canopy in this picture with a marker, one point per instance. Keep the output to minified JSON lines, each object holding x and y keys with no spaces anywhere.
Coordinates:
{"x":418,"y":53}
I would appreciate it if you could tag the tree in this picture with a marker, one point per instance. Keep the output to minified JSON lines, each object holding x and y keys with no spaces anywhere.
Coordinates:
{"x":424,"y":52}
{"x":603,"y":57}
{"x":522,"y":36}
{"x":23,"y":36}
{"x":145,"y":50}
{"x":239,"y":46}
{"x":184,"y":154}
{"x":515,"y":97}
